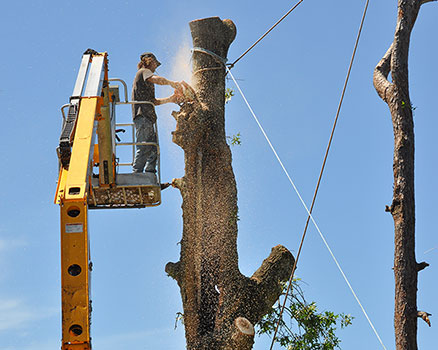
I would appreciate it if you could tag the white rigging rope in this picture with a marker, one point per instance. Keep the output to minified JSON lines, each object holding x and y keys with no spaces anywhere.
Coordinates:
{"x":307,"y":210}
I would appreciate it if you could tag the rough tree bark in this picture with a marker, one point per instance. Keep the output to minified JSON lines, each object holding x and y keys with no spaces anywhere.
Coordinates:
{"x":396,"y":94}
{"x":220,"y":304}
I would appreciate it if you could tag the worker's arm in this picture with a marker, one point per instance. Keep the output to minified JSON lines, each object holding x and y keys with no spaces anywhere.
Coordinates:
{"x":162,"y":101}
{"x":156,"y":79}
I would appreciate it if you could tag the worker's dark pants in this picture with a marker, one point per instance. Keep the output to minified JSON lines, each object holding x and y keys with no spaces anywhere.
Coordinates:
{"x":145,"y":155}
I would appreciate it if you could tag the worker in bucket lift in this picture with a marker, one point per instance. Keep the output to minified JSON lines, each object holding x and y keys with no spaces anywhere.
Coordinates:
{"x":143,"y":89}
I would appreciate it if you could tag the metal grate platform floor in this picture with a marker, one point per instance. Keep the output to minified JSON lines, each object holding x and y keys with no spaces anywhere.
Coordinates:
{"x":131,"y":191}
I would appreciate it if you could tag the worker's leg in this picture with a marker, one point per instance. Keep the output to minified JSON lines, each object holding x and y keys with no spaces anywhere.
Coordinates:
{"x":145,"y":155}
{"x":151,"y":151}
{"x":140,"y":136}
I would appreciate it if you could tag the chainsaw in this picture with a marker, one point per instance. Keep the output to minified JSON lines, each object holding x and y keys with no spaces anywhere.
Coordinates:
{"x":185,"y":93}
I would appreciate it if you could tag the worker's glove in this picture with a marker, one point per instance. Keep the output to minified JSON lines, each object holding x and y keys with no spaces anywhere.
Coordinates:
{"x":177,"y":85}
{"x":177,"y":98}
{"x":179,"y":93}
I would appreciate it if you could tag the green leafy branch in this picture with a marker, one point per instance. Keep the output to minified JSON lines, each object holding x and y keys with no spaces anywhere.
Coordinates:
{"x":235,"y":140}
{"x":228,"y":94}
{"x":179,"y":318}
{"x":306,"y":328}
{"x":409,"y":105}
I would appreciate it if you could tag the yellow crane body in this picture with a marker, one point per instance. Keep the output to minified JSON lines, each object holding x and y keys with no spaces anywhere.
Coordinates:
{"x":91,"y":113}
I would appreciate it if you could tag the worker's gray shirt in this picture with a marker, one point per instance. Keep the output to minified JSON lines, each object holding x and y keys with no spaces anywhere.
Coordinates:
{"x":143,"y":90}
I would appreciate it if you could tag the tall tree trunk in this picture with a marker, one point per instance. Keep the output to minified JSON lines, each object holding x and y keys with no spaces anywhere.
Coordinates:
{"x":396,"y":95}
{"x":220,"y":304}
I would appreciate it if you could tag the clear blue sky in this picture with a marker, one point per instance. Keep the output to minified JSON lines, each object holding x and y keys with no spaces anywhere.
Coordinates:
{"x":293,"y":80}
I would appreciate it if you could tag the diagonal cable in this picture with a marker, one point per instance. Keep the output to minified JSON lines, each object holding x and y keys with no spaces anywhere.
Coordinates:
{"x":310,"y":217}
{"x":266,"y":33}
{"x":316,"y":192}
{"x":309,"y":214}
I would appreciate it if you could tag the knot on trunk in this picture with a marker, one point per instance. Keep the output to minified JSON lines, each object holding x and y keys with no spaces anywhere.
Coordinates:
{"x":173,"y":270}
{"x":178,"y":183}
{"x":189,"y":124}
{"x":422,"y":265}
{"x":425,"y":316}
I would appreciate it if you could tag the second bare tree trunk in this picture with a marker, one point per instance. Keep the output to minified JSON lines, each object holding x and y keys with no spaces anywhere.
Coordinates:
{"x":396,"y":95}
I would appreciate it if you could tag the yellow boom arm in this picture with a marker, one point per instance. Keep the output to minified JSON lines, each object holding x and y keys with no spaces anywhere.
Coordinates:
{"x":91,"y":112}
{"x":72,"y":192}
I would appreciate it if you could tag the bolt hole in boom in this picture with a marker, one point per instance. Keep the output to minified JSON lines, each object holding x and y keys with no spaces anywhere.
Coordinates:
{"x":74,"y":190}
{"x":75,"y":330}
{"x":73,"y":212}
{"x":74,"y":270}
